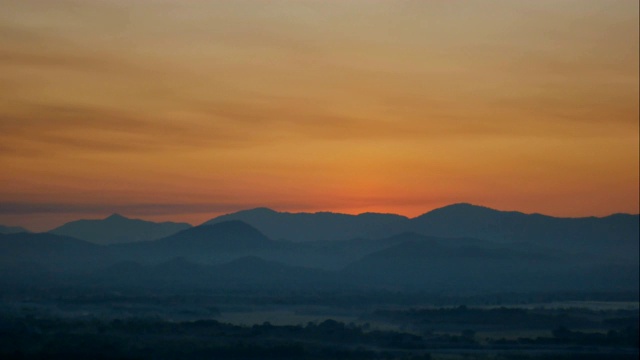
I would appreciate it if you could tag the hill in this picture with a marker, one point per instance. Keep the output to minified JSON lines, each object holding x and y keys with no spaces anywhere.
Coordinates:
{"x":245,"y":273}
{"x":449,"y":266}
{"x":118,"y":229}
{"x":30,"y":258}
{"x":11,"y":229}
{"x":316,"y":226}
{"x":204,"y":244}
{"x":615,"y":236}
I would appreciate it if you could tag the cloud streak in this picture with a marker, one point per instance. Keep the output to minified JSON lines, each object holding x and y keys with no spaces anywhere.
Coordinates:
{"x":370,"y":103}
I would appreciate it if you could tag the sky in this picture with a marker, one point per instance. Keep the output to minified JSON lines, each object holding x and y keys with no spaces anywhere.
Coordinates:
{"x":187,"y":109}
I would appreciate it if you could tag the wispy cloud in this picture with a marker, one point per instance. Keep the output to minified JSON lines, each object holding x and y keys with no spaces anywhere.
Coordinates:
{"x":104,"y":208}
{"x":338,"y":102}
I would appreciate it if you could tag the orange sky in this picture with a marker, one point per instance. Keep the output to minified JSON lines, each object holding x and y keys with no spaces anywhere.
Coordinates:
{"x":186,"y":109}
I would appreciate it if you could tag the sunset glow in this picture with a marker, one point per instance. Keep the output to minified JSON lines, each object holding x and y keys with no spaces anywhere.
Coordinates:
{"x":184,"y":110}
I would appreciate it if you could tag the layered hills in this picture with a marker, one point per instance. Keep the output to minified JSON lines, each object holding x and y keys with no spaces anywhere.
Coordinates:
{"x":457,"y":249}
{"x":12,"y":229}
{"x":118,"y":229}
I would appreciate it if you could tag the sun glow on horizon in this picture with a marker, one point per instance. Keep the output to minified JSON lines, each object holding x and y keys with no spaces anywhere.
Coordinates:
{"x":182,"y":111}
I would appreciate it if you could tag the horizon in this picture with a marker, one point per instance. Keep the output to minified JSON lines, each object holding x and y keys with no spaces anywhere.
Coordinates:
{"x":185,"y":110}
{"x":169,"y":218}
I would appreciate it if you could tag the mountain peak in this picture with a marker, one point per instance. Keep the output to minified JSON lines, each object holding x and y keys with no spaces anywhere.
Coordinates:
{"x":116,"y":216}
{"x":261,"y":210}
{"x":227,"y":226}
{"x":231,"y":235}
{"x":116,"y":228}
{"x":462,"y":208}
{"x":464,"y":205}
{"x":12,"y":229}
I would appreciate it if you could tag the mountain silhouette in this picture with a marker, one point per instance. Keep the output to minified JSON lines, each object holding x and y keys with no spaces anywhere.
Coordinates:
{"x":317,"y":226}
{"x":445,"y":265}
{"x":224,"y":236}
{"x":205,"y":244}
{"x":12,"y":229}
{"x":255,"y":272}
{"x":616,"y":235}
{"x":22,"y":246}
{"x":248,"y":272}
{"x":118,"y":229}
{"x":458,"y":248}
{"x":49,"y":254}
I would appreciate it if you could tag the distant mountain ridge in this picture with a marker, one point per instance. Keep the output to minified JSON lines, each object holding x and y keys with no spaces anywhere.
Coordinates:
{"x":317,"y":226}
{"x":241,"y":273}
{"x":457,"y":220}
{"x":206,"y":242}
{"x":49,"y":252}
{"x":445,"y":267}
{"x":118,"y":229}
{"x":236,"y":255}
{"x":614,"y":236}
{"x":11,"y":229}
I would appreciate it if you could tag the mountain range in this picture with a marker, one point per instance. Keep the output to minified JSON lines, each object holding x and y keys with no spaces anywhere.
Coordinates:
{"x":317,"y":226}
{"x":459,"y":248}
{"x":12,"y":229}
{"x":588,"y":234}
{"x":457,"y":220}
{"x":118,"y":229}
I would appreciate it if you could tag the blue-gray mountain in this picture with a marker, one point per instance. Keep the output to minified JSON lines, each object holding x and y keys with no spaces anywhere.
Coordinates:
{"x":459,"y":267}
{"x":12,"y":229}
{"x":318,"y":226}
{"x":234,"y":255}
{"x":615,"y":236}
{"x":118,"y":229}
{"x":204,"y":244}
{"x":243,"y":273}
{"x":456,"y":249}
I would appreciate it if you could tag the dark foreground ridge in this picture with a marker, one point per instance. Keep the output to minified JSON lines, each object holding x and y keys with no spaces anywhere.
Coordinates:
{"x":37,"y":337}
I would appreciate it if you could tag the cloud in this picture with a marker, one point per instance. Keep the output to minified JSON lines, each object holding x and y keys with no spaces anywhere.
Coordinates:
{"x":98,"y":129}
{"x":40,"y":60}
{"x":25,"y":208}
{"x":149,"y":100}
{"x":145,"y":209}
{"x":31,"y":129}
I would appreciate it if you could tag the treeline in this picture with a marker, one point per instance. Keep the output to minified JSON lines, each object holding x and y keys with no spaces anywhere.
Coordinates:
{"x":29,"y":337}
{"x":626,"y":337}
{"x":138,"y":338}
{"x":509,"y":318}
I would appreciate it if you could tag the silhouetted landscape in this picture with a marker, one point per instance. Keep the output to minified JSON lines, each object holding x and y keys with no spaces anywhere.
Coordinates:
{"x":319,"y":180}
{"x":462,"y":280}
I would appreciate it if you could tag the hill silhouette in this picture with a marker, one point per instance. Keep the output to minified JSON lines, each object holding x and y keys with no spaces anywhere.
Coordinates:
{"x":11,"y":229}
{"x":445,"y":265}
{"x":116,"y":229}
{"x":224,"y":236}
{"x":42,"y":246}
{"x":316,"y":226}
{"x":205,"y":244}
{"x":477,"y":249}
{"x":43,"y":257}
{"x":243,"y":273}
{"x":616,"y":235}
